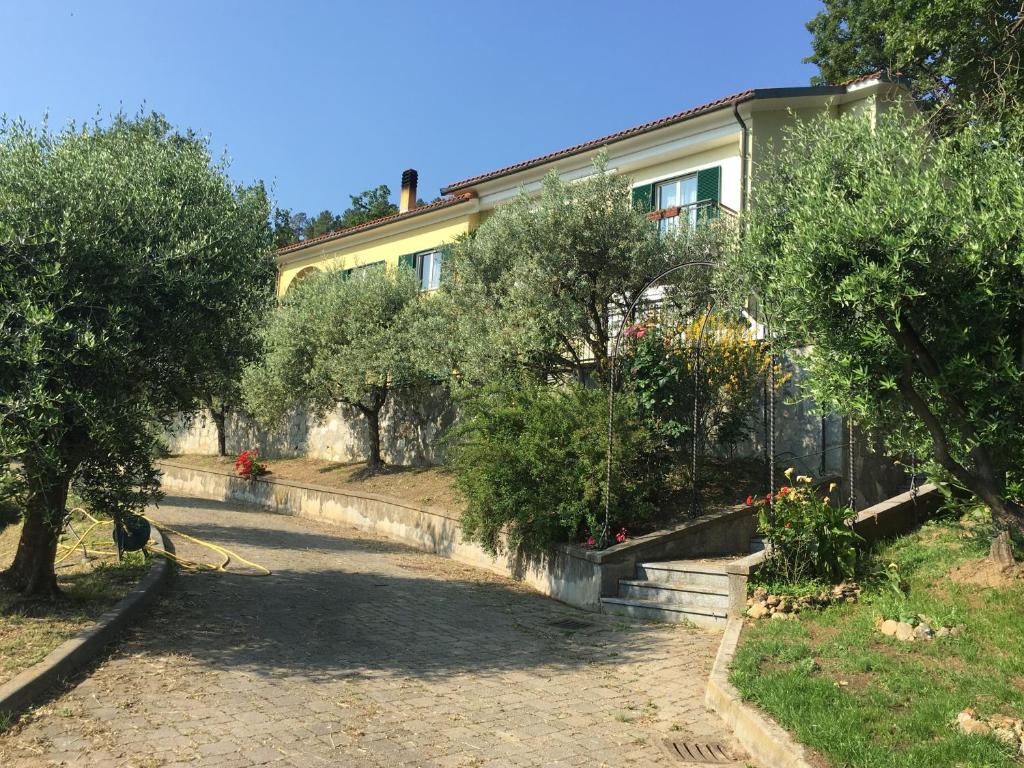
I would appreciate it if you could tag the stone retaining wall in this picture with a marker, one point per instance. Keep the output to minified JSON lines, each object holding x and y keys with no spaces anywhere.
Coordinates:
{"x":411,"y":431}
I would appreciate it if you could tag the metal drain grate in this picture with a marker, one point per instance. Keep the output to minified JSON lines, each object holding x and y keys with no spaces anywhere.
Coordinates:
{"x":691,"y":752}
{"x":570,"y":624}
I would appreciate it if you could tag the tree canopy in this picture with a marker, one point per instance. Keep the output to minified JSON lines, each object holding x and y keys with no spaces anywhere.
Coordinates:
{"x":339,"y":340}
{"x":956,"y":54}
{"x":541,"y":284}
{"x":899,"y":258}
{"x":290,"y":228}
{"x":125,"y":255}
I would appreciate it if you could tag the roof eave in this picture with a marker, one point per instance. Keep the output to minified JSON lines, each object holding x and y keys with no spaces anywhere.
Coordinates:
{"x":755,"y":94}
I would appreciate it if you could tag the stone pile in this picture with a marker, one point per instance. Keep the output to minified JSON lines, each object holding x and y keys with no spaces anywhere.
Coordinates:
{"x":907,"y":632}
{"x":1006,"y":729}
{"x":762,"y":605}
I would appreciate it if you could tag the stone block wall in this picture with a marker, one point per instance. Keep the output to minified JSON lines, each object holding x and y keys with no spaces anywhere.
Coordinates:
{"x":412,"y":428}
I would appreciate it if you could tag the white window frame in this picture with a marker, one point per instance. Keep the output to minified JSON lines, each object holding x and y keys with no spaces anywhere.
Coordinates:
{"x":668,"y":224}
{"x":428,"y":269}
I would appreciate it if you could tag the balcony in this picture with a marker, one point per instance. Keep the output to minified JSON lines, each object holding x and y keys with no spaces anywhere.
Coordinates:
{"x":690,"y":215}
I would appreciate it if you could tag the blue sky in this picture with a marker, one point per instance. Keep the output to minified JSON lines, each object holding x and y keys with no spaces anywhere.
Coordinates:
{"x":323,"y":100}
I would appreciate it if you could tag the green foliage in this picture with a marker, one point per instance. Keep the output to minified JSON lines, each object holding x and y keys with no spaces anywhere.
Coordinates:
{"x":368,"y":205}
{"x":658,"y":362}
{"x":530,"y":461}
{"x":959,"y":55}
{"x":538,"y":285}
{"x":335,"y":340}
{"x":898,"y":258}
{"x":290,"y":228}
{"x":122,"y":253}
{"x":810,"y":539}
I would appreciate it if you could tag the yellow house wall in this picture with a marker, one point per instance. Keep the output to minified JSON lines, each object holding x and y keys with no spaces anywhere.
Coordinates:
{"x":386,"y":249}
{"x":726,"y":156}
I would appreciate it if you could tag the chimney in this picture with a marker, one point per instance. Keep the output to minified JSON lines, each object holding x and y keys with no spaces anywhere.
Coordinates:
{"x":407,"y":199}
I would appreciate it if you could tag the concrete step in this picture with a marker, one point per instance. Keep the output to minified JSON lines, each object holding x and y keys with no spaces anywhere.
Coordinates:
{"x":686,"y":573}
{"x":674,"y":594}
{"x":711,"y":618}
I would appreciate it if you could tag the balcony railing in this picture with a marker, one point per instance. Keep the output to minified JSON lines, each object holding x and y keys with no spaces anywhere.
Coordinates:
{"x":691,"y":214}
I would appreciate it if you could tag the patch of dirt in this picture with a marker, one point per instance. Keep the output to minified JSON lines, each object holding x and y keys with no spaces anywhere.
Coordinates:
{"x":433,"y":486}
{"x":987,"y":573}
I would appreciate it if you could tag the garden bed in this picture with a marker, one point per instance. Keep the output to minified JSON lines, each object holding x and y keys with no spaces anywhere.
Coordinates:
{"x":725,"y":483}
{"x":867,"y":700}
{"x":29,"y":630}
{"x":432,"y":486}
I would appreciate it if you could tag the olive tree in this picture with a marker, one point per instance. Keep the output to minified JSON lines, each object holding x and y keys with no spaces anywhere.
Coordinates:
{"x":339,"y":340}
{"x":899,"y":258}
{"x":542,"y":282}
{"x":124,"y":250}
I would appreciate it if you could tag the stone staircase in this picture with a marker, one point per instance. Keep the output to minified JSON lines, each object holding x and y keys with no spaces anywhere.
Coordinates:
{"x":676,"y":591}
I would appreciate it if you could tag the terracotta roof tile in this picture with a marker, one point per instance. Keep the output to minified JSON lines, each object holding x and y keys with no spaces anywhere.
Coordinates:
{"x":593,"y":143}
{"x":437,"y":204}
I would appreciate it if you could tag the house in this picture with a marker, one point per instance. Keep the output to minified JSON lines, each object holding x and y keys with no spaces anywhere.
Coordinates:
{"x":707,"y":157}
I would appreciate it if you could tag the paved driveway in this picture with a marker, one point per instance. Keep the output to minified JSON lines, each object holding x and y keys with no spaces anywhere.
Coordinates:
{"x":363,"y":652}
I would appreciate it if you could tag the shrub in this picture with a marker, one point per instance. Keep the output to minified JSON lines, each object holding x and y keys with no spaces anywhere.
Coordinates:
{"x":247,"y":465}
{"x":658,"y":368}
{"x":810,"y":539}
{"x":529,"y":460}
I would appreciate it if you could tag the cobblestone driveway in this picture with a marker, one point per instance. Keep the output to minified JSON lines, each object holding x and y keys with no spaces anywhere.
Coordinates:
{"x":362,"y":652}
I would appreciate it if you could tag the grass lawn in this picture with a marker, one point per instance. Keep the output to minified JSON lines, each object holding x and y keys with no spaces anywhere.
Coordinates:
{"x":866,"y":701}
{"x":30,"y":630}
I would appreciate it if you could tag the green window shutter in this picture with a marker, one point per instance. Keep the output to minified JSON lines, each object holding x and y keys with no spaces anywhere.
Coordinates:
{"x":709,"y":183}
{"x":643,"y":198}
{"x":346,"y":274}
{"x":407,"y":260}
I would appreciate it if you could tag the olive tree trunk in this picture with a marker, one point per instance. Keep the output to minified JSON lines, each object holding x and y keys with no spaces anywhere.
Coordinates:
{"x":32,"y":572}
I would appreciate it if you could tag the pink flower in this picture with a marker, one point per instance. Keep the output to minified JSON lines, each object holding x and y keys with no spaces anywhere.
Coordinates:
{"x":621,"y":536}
{"x":640,"y":331}
{"x":590,"y":541}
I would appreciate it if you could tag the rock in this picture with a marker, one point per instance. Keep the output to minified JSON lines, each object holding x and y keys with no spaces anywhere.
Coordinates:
{"x":888,"y":627}
{"x":750,"y":601}
{"x":968,"y":722}
{"x":757,"y":611}
{"x":954,"y":631}
{"x":1004,"y":728}
{"x":760,"y":594}
{"x":786,"y":607}
{"x":904,"y":632}
{"x":942,"y":632}
{"x":923,"y":631}
{"x":772,"y":600}
{"x":781,"y":615}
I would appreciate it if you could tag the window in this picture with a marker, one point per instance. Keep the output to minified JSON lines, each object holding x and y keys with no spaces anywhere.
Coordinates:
{"x":677,"y":193}
{"x":428,"y":269}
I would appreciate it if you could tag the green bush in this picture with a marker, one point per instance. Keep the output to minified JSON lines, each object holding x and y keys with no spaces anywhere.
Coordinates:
{"x":529,"y":460}
{"x":810,"y":539}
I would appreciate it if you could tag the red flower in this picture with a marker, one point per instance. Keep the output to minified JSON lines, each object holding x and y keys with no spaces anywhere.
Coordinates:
{"x":750,"y":501}
{"x":621,"y":536}
{"x":784,"y":489}
{"x":789,"y":525}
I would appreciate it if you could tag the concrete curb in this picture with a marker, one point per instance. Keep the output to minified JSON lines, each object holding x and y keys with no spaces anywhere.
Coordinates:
{"x":75,"y":654}
{"x":766,"y":742}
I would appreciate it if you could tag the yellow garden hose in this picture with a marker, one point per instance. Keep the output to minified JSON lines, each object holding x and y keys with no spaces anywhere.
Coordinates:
{"x":66,"y":550}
